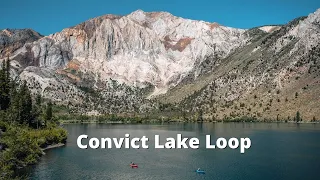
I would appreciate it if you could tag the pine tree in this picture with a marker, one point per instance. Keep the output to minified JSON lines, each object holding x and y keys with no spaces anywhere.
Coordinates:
{"x":14,"y":110}
{"x":3,"y":86}
{"x":49,"y":111}
{"x":25,"y":105}
{"x":7,"y":84}
{"x":8,"y":70}
{"x":37,"y":111}
{"x":38,"y":100}
{"x":298,"y":118}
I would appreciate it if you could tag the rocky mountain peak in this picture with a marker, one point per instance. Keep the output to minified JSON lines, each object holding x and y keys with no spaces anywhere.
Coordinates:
{"x":13,"y":39}
{"x":140,"y":15}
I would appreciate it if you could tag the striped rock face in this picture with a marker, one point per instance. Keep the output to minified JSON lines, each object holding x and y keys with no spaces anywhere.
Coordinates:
{"x":156,"y":48}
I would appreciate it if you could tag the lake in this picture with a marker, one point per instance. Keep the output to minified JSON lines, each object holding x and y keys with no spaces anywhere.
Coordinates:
{"x":278,"y":151}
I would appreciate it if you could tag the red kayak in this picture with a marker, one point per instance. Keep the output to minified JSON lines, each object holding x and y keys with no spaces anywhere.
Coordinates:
{"x":134,"y":165}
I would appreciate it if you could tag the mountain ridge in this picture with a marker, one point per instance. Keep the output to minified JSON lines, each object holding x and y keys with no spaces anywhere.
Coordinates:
{"x":151,"y":42}
{"x":159,"y":53}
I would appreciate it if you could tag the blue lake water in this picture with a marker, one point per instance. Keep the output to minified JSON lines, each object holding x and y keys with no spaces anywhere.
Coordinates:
{"x":278,"y":151}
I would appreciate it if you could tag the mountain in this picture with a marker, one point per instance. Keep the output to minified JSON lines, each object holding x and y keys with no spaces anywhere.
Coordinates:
{"x":156,"y":48}
{"x":13,"y":39}
{"x":272,"y":77}
{"x":132,"y":63}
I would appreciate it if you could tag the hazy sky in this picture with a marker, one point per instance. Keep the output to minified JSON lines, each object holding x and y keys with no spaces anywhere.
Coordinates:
{"x":49,"y":17}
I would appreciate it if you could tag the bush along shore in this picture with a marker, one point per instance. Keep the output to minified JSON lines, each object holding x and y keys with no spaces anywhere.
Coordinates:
{"x":22,"y":146}
{"x":27,"y":126}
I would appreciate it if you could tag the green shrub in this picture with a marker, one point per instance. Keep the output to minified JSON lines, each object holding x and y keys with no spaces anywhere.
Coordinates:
{"x":22,"y":146}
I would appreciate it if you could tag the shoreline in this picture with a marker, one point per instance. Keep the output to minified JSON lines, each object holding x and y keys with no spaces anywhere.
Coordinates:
{"x":173,"y":121}
{"x":53,"y":146}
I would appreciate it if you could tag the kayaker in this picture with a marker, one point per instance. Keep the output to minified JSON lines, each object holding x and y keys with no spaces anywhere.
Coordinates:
{"x":198,"y":169}
{"x":132,"y":163}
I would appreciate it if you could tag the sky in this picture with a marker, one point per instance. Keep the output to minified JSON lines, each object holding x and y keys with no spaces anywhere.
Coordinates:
{"x":47,"y":17}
